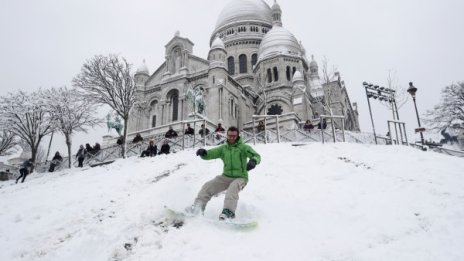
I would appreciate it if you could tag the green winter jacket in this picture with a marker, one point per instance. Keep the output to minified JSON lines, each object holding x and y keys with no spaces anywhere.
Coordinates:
{"x":234,"y":157}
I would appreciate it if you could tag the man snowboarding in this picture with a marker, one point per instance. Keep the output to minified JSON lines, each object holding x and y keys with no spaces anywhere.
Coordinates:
{"x":234,"y":178}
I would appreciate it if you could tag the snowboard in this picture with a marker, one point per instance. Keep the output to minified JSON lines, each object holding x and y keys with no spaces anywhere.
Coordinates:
{"x":178,"y":219}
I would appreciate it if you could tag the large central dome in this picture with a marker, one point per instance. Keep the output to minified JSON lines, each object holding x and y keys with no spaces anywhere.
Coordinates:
{"x":244,"y":10}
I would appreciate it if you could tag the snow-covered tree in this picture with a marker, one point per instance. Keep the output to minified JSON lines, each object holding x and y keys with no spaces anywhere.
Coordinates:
{"x":71,"y":112}
{"x":7,"y":141}
{"x":27,"y":116}
{"x":450,"y":111}
{"x":108,"y":80}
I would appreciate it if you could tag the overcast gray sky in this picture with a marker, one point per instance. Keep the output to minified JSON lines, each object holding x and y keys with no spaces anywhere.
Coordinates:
{"x":44,"y":43}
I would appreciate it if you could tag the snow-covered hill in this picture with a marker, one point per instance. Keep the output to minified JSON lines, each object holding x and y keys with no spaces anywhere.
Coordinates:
{"x":313,"y":202}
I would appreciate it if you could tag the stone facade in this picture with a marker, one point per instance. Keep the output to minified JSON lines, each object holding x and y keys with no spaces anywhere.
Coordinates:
{"x":254,"y":67}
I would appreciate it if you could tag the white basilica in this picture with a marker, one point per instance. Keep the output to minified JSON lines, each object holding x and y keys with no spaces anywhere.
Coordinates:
{"x":254,"y":67}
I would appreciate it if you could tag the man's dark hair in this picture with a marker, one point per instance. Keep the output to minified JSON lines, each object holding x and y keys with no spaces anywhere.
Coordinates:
{"x":232,"y":128}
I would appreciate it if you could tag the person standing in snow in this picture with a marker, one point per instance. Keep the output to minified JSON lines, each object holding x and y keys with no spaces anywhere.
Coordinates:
{"x":234,"y":178}
{"x":25,"y":169}
{"x":80,"y":155}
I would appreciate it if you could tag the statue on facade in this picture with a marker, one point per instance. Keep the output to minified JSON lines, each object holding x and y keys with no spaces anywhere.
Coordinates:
{"x":116,"y":124}
{"x":197,"y":100}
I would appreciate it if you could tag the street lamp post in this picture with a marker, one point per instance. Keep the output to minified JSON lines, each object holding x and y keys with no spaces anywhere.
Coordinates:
{"x":412,"y":90}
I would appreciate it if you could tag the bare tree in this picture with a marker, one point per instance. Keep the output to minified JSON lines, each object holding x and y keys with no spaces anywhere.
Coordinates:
{"x":71,"y":112}
{"x":400,"y":95}
{"x":27,"y":116}
{"x":108,"y":80}
{"x":327,"y":78}
{"x":450,"y":112}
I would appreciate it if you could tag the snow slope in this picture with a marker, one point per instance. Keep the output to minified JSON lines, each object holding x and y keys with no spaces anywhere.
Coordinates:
{"x":313,"y":202}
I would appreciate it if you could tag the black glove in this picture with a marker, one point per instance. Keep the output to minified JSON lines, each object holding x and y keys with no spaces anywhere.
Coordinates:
{"x":251,"y":165}
{"x":201,"y":152}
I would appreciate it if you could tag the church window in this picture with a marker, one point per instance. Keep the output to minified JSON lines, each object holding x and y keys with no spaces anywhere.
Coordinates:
{"x":294,"y":70}
{"x":242,"y":59}
{"x":176,"y":59}
{"x":269,"y":75}
{"x":174,"y":100}
{"x":276,"y":74}
{"x":288,"y":73}
{"x":231,"y":108}
{"x":231,"y":65}
{"x":254,"y":59}
{"x":153,"y":121}
{"x":275,"y":110}
{"x":153,"y":104}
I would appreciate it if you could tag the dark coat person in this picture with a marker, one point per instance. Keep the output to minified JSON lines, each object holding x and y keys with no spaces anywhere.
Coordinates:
{"x":57,"y":159}
{"x":203,"y":131}
{"x":165,"y":148}
{"x":89,"y":149}
{"x":96,"y":148}
{"x":151,"y":150}
{"x":120,"y":140}
{"x":137,"y":138}
{"x":25,"y":169}
{"x":261,"y":126}
{"x":308,"y":126}
{"x":189,"y":130}
{"x":170,"y":134}
{"x":80,"y":155}
{"x":324,"y":124}
{"x":220,"y":128}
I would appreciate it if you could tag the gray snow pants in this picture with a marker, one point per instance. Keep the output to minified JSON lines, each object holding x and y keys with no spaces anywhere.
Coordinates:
{"x":218,"y":185}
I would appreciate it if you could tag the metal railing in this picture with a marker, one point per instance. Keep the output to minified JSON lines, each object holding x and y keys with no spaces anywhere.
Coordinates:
{"x":273,"y":133}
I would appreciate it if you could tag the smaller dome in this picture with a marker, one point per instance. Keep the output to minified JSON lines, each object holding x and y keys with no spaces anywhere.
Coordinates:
{"x":143,"y":69}
{"x":278,"y":41}
{"x":218,"y":44}
{"x":313,"y":63}
{"x":276,"y":7}
{"x":297,"y":77}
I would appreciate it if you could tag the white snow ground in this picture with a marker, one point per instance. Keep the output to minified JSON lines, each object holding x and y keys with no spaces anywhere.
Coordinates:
{"x":314,"y":202}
